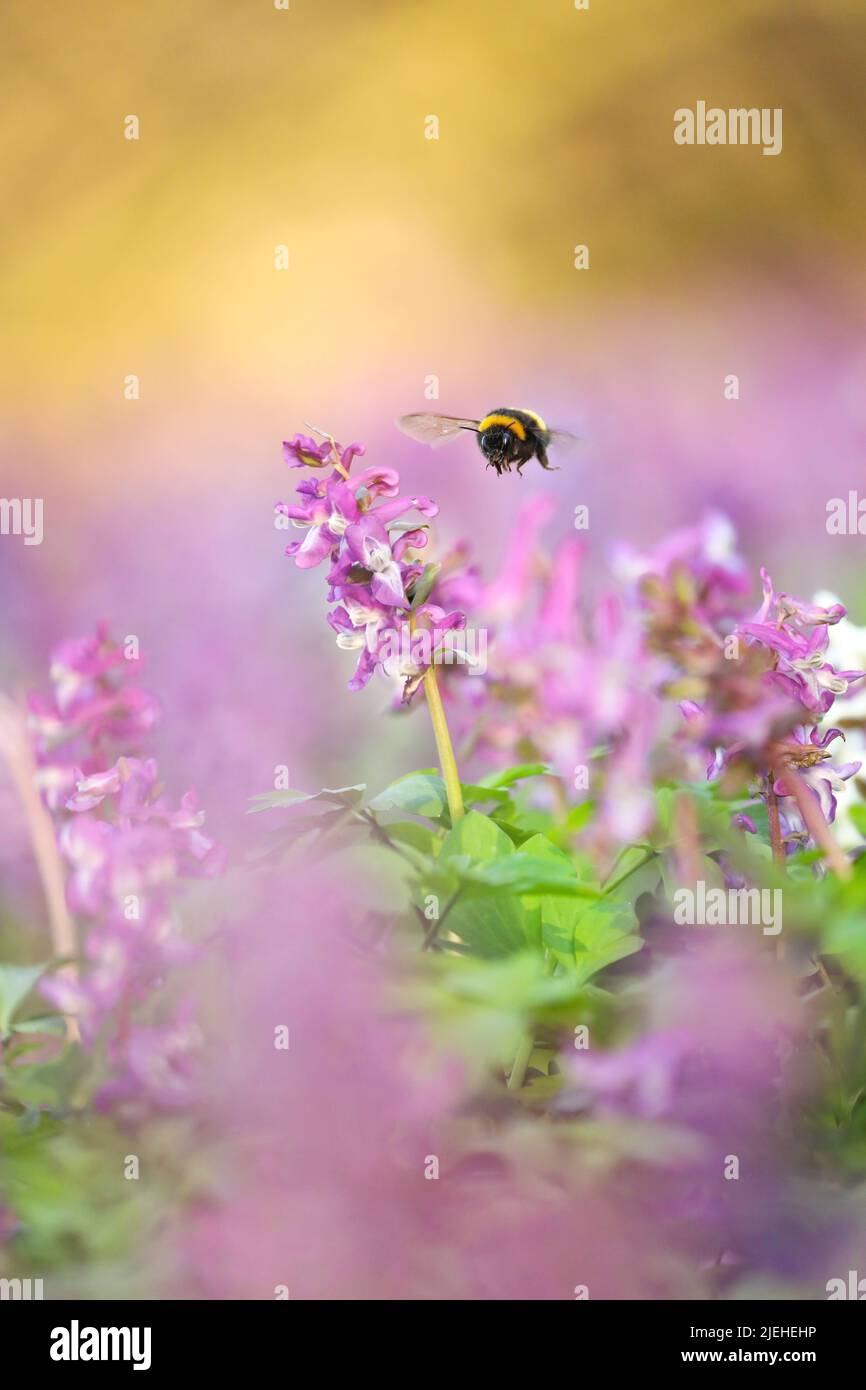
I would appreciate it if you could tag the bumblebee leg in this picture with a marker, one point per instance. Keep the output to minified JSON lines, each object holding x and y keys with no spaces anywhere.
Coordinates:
{"x":541,"y":455}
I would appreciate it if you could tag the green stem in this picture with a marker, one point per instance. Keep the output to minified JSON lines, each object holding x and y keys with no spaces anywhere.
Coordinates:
{"x":443,"y":746}
{"x":776,"y":841}
{"x":380,"y":834}
{"x":15,"y":747}
{"x":609,"y":887}
{"x":517,"y":1074}
{"x":813,"y":817}
{"x":432,"y":929}
{"x":521,"y":1062}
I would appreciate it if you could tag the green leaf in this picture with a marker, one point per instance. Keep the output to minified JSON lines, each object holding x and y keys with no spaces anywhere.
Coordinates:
{"x":558,"y":916}
{"x":341,"y":796}
{"x":478,"y":791}
{"x":521,"y":984}
{"x":583,"y":937}
{"x":16,"y":982}
{"x":857,"y":815}
{"x":59,"y":1083}
{"x":496,"y":924}
{"x":602,"y":936}
{"x":580,"y":815}
{"x":51,"y":1023}
{"x":419,"y":793}
{"x":636,"y":871}
{"x":516,"y":774}
{"x":530,"y":873}
{"x":478,"y":1010}
{"x":553,"y":870}
{"x":494,"y":878}
{"x":423,"y":794}
{"x":475,"y":837}
{"x":493,"y":926}
{"x":843,"y":936}
{"x":516,"y":834}
{"x":409,"y":832}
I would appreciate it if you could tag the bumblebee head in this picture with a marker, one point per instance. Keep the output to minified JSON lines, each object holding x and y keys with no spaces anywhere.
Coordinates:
{"x":496,"y":445}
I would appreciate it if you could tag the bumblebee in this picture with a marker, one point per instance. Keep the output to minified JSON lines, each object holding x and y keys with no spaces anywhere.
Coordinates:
{"x":507,"y":438}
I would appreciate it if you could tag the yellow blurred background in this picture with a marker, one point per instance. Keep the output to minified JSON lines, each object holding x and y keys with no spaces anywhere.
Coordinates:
{"x":408,"y":258}
{"x":407,"y":255}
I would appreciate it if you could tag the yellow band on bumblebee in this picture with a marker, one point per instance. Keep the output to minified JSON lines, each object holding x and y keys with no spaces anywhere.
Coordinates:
{"x":508,"y":422}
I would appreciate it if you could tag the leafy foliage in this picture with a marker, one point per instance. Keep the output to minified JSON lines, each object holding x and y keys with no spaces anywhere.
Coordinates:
{"x":505,"y":894}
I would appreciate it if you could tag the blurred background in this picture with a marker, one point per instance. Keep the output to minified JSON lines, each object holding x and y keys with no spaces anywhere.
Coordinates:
{"x":408,"y":258}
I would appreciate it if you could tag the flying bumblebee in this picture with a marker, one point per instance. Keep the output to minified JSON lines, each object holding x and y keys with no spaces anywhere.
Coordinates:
{"x":506,"y":437}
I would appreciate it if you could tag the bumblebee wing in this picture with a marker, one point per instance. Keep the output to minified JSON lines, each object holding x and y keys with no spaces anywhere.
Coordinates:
{"x":434,"y":429}
{"x":563,"y":439}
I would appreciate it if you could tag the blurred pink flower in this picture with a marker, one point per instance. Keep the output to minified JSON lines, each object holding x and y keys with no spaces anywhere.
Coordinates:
{"x":347,"y":1173}
{"x":125,"y":846}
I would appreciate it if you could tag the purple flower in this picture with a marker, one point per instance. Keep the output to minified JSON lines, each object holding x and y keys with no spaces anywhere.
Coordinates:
{"x":698,"y":565}
{"x":800,"y":668}
{"x":358,"y":623}
{"x":568,"y":688}
{"x":155,"y":1066}
{"x":130,"y":778}
{"x":368,"y":545}
{"x":92,"y":708}
{"x":124,"y":842}
{"x":91,"y":996}
{"x":642,"y":1079}
{"x":783,"y":608}
{"x":806,"y":752}
{"x":355,"y":524}
{"x":508,"y":594}
{"x":327,"y":515}
{"x":459,"y":583}
{"x":304,"y":452}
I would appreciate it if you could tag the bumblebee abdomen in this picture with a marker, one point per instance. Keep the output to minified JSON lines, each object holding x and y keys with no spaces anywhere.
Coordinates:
{"x":504,"y":419}
{"x":533,"y":424}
